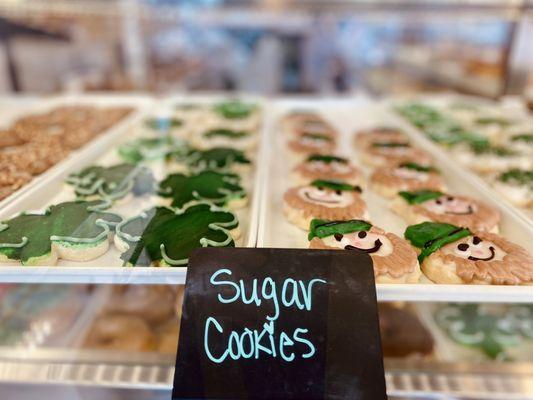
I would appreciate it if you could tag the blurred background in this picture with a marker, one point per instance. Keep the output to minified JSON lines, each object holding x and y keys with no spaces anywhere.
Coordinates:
{"x":480,"y":47}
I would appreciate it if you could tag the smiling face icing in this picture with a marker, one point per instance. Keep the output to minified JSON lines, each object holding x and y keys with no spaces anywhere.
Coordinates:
{"x":446,"y":204}
{"x":327,"y":197}
{"x":474,"y":248}
{"x":369,"y":242}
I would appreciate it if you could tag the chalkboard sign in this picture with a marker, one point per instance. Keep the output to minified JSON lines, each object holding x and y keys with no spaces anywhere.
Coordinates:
{"x":279,"y":324}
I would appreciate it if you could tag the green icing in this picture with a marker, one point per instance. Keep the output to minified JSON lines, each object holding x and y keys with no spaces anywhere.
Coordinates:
{"x":390,"y":145}
{"x":525,"y":137}
{"x":487,"y":148}
{"x":417,"y":167}
{"x":112,"y":182}
{"x":327,"y":159}
{"x":28,"y":237}
{"x":431,"y":236}
{"x":471,"y":326}
{"x":420,"y":196}
{"x":321,"y":228}
{"x":335,"y":185}
{"x":163,"y":123}
{"x":317,"y":136}
{"x":149,"y":149}
{"x":216,"y":187}
{"x":166,"y":235}
{"x":234,"y":109}
{"x":227,"y":133}
{"x":217,"y":158}
{"x":517,"y":176}
{"x":493,"y":121}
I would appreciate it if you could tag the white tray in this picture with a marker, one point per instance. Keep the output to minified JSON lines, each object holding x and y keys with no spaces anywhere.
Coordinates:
{"x":348,"y":116}
{"x":108,"y":268}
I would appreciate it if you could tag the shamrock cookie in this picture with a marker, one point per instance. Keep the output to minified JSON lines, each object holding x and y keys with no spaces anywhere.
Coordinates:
{"x":488,"y":158}
{"x":216,"y":187}
{"x":76,"y":231}
{"x":517,"y":186}
{"x":327,"y":167}
{"x":325,"y":200}
{"x":378,"y":154}
{"x":393,"y":258}
{"x":150,"y":149}
{"x":237,"y":115}
{"x":114,"y":182}
{"x":381,"y":134}
{"x":306,"y":144}
{"x":388,"y":181}
{"x":164,"y":236}
{"x":217,"y":158}
{"x":427,"y":205}
{"x":451,"y":255}
{"x":223,"y":137}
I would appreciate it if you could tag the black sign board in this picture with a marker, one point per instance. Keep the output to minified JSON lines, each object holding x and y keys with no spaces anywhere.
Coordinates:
{"x":279,"y":324}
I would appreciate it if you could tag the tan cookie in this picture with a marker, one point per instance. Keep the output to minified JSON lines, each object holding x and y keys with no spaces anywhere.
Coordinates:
{"x":378,"y":154}
{"x":327,"y":167}
{"x":379,"y":135}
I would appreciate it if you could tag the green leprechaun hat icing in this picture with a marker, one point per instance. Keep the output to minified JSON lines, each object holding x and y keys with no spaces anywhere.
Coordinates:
{"x":335,"y":185}
{"x":417,"y":167}
{"x":327,"y":159}
{"x":431,"y":236}
{"x":420,"y":196}
{"x":321,"y":228}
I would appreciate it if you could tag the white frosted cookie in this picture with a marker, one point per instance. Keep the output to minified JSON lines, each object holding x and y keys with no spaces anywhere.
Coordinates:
{"x":453,"y":255}
{"x":393,"y":258}
{"x":405,"y":176}
{"x":428,"y":205}
{"x":319,"y":166}
{"x":516,"y":185}
{"x":324,"y":200}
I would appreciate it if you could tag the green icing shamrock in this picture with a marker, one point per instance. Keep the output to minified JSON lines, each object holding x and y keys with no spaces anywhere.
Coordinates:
{"x":28,"y":237}
{"x":469,"y":325}
{"x":225,"y":133}
{"x":234,"y":109}
{"x":212,"y":186}
{"x":166,"y":236}
{"x":217,"y":158}
{"x":149,"y":149}
{"x":112,"y":182}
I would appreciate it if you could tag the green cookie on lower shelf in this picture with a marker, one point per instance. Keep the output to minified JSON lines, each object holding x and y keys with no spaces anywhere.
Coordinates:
{"x":216,"y":158}
{"x":216,"y":187}
{"x":163,"y":236}
{"x":152,"y":148}
{"x":75,"y":231}
{"x":114,"y":182}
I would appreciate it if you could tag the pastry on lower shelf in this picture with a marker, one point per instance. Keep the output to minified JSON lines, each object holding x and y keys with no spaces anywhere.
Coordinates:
{"x":11,"y":179}
{"x":152,"y":148}
{"x":394,"y":259}
{"x":319,"y":166}
{"x":168,"y":336}
{"x":10,"y":138}
{"x":306,"y":144}
{"x":216,"y":158}
{"x":222,"y":189}
{"x":406,"y":176}
{"x":381,"y":134}
{"x":121,"y":333}
{"x":325,"y":200}
{"x":164,"y":236}
{"x":113,"y":182}
{"x":34,"y":158}
{"x":224,"y":137}
{"x":402,"y":333}
{"x":378,"y":154}
{"x":516,"y":185}
{"x":428,"y":205}
{"x":76,"y":231}
{"x":453,"y":255}
{"x":154,"y":303}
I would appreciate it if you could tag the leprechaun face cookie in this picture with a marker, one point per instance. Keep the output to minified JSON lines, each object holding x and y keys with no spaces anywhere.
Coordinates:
{"x":327,"y":167}
{"x":307,"y":144}
{"x":381,"y":134}
{"x":450,"y":254}
{"x":324,"y":200}
{"x":393,"y":258}
{"x":427,"y":205}
{"x":388,"y":153}
{"x":406,"y":176}
{"x":76,"y":231}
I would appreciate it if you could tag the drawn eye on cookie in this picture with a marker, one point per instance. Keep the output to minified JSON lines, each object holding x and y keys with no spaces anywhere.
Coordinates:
{"x":325,"y":196}
{"x":369,"y":242}
{"x":450,"y":205}
{"x":476,"y":249}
